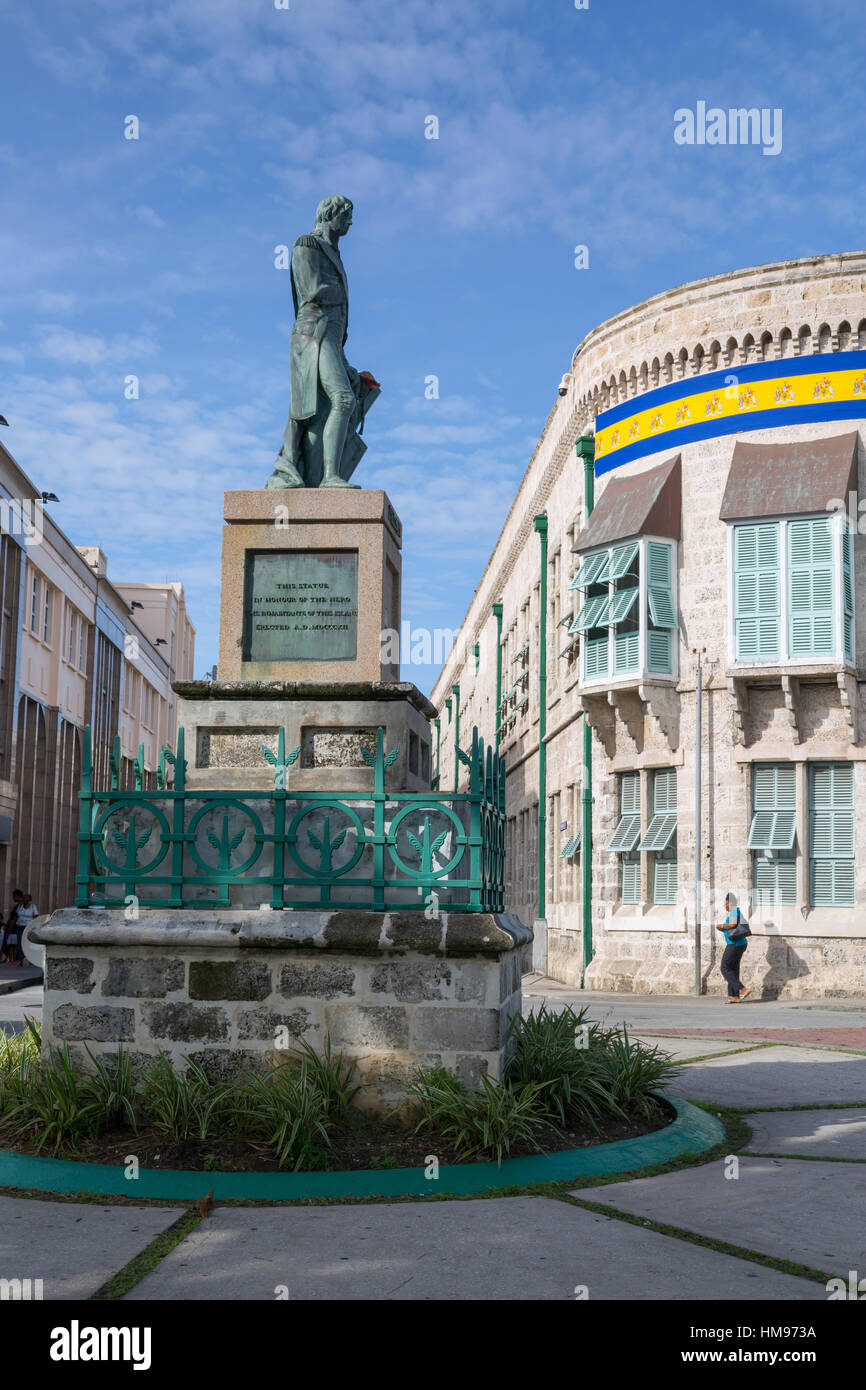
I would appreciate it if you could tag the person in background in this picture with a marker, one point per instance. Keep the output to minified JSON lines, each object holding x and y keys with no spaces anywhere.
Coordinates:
{"x":733,"y":953}
{"x":10,"y":937}
{"x":26,"y":912}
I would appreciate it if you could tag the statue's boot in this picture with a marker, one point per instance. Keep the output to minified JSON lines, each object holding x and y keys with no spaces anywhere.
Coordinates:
{"x":332,"y":479}
{"x":285,"y":474}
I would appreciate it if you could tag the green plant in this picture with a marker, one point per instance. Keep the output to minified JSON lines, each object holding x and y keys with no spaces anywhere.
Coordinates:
{"x":330,"y":1075}
{"x":285,"y":1108}
{"x":485,"y":1121}
{"x":185,"y":1104}
{"x":113,"y":1090}
{"x":565,"y":1054}
{"x":47,"y":1099}
{"x":634,"y":1072}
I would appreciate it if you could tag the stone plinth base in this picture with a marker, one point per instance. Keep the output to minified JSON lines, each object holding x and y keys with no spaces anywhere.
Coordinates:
{"x":226,"y":723}
{"x":230,"y":990}
{"x":663,"y":963}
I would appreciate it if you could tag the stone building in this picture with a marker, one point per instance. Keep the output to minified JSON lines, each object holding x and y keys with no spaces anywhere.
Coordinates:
{"x":75,"y":649}
{"x":727,"y":419}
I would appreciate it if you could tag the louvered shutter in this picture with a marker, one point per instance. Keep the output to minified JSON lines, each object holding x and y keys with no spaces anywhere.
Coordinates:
{"x":832,"y":835}
{"x":848,"y":592}
{"x":810,"y":587}
{"x":756,"y":591}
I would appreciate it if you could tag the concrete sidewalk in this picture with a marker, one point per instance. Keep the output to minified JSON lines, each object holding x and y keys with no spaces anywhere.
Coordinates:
{"x":796,"y":1195}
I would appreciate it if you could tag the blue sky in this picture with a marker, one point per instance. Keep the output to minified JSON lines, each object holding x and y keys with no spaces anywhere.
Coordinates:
{"x":155,"y":257}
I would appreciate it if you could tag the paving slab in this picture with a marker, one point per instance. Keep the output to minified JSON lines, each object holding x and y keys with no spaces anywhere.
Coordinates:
{"x":674,"y":1011}
{"x":515,"y":1248}
{"x":809,"y":1133}
{"x":683,"y":1048}
{"x":787,"y":1207}
{"x":852,"y":1039}
{"x":73,"y":1248}
{"x":777,"y":1076}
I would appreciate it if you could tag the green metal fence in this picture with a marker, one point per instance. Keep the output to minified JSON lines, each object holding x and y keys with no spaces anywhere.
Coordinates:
{"x":178,"y":847}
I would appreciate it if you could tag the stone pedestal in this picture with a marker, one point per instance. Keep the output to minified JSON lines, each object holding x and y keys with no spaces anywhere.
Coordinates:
{"x":233,"y":989}
{"x":227,"y":723}
{"x":310,"y":583}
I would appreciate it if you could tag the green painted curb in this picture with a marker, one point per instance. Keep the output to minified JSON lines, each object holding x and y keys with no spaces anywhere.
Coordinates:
{"x":693,"y":1130}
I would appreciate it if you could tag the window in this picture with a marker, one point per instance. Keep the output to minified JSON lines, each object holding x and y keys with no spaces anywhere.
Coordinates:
{"x":627,"y":616}
{"x":82,"y":644}
{"x":660,"y":837}
{"x":71,"y":636}
{"x":626,"y":836}
{"x":34,"y":603}
{"x":772,"y":832}
{"x":831,"y":834}
{"x":47,"y":614}
{"x":793,"y":591}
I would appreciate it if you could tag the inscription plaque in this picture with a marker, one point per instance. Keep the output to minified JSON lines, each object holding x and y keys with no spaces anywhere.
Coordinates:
{"x":301,"y":605}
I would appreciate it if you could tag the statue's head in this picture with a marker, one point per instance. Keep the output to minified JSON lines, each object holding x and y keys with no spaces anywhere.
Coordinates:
{"x":336,"y":212}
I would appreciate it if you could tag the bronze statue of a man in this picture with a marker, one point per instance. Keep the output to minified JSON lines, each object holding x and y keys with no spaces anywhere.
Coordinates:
{"x":322,"y":444}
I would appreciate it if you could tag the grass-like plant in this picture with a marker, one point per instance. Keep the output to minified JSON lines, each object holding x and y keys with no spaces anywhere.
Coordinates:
{"x":485,"y":1121}
{"x":114,"y":1090}
{"x":561,"y":1051}
{"x":49,"y":1100}
{"x":286,"y":1109}
{"x":331,"y":1075}
{"x":185,"y":1104}
{"x":634,"y":1072}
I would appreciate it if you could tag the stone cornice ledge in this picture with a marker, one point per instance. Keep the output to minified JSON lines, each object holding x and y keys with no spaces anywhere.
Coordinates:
{"x":356,"y":932}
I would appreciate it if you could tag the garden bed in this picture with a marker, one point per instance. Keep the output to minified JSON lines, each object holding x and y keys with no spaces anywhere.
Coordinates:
{"x":362,"y":1142}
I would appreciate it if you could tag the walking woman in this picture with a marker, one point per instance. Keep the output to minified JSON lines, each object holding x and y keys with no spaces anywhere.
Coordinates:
{"x":737,"y":938}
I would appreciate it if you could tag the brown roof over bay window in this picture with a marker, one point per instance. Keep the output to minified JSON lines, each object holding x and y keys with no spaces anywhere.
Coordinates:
{"x":789,"y":479}
{"x":646,"y":504}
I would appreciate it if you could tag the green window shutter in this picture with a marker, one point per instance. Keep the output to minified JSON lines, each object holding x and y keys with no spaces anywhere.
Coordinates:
{"x":630,"y":881}
{"x":593,"y":614}
{"x":622,"y":560}
{"x":774,"y":807}
{"x":810,"y":587}
{"x":592,"y":571}
{"x":775,"y":881}
{"x":659,"y":584}
{"x":665,"y":790}
{"x":659,"y":651}
{"x":848,"y":592}
{"x":831,"y":822}
{"x":626,"y":653}
{"x":622,"y":604}
{"x":757,"y":607}
{"x":595,"y":658}
{"x":629,"y":794}
{"x":664,"y":882}
{"x":660,"y":832}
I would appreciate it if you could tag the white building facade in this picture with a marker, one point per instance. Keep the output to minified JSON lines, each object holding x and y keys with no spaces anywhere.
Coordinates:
{"x":727,"y":420}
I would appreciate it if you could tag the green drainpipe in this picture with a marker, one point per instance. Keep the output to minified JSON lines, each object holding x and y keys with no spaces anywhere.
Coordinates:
{"x":456,"y":690}
{"x":541,"y":528}
{"x":586,"y":450}
{"x":497,"y":613}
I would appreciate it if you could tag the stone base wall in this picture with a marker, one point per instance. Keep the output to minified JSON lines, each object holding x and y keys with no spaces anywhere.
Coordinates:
{"x":393,"y":991}
{"x":654,"y":963}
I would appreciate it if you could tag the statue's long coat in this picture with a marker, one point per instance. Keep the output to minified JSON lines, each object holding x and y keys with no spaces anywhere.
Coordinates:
{"x":321,"y":295}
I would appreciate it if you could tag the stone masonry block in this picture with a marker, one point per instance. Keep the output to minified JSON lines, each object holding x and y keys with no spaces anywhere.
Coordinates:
{"x":265,"y":1023}
{"x":101,"y":1023}
{"x":358,"y":1025}
{"x":411,"y":981}
{"x":324,"y":979}
{"x":463,"y":1030}
{"x":141,"y":977}
{"x":238,"y":979}
{"x":69,"y":972}
{"x":185,"y":1022}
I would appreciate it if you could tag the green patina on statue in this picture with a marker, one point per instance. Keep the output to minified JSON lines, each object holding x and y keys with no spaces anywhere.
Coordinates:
{"x":322,"y":445}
